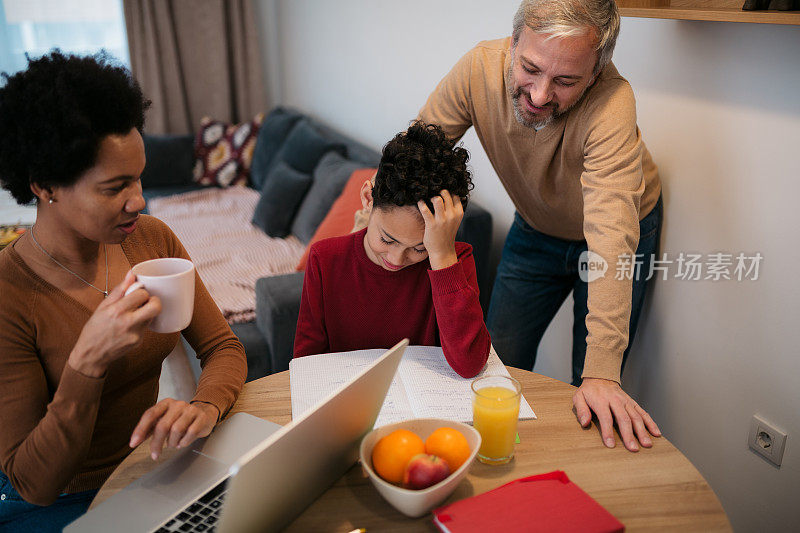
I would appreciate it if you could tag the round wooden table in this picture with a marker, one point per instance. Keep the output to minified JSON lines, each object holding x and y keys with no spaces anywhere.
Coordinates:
{"x":653,"y":489}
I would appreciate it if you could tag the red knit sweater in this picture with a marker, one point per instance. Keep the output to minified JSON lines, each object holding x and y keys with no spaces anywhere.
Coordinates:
{"x":350,"y":303}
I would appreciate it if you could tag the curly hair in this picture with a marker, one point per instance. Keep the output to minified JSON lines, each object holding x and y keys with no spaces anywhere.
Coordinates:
{"x":417,"y":164}
{"x":54,"y":114}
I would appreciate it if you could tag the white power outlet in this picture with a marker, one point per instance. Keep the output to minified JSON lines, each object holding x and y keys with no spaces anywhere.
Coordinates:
{"x":767,"y":440}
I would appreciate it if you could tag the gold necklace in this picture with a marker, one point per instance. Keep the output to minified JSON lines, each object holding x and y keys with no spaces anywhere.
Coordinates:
{"x":105,"y":252}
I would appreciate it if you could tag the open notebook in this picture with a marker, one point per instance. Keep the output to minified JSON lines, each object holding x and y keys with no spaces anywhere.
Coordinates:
{"x":424,"y":386}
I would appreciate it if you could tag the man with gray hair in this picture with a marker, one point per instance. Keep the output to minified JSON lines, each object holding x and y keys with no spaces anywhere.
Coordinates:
{"x":558,"y":123}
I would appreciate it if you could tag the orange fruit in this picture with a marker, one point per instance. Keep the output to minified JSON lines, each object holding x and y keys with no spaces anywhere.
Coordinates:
{"x":449,"y":444}
{"x":392,"y":453}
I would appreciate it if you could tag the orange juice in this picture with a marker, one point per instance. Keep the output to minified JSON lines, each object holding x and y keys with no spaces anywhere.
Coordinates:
{"x":495,"y":413}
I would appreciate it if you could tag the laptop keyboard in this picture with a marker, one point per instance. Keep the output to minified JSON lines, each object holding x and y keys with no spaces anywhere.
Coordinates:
{"x":202,"y":515}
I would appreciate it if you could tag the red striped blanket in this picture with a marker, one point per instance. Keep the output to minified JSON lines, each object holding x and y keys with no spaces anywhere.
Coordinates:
{"x":230,"y":254}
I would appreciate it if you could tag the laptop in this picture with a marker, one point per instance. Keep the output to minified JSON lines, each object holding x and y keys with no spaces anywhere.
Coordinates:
{"x":251,"y":474}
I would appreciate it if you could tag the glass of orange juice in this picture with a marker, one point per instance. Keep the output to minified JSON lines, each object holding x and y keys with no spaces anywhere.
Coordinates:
{"x":495,"y":409}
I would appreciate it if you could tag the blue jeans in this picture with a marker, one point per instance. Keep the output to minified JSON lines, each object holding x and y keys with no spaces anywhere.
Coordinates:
{"x":536,"y":274}
{"x":18,"y":515}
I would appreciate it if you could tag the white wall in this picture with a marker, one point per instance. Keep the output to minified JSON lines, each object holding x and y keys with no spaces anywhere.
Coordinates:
{"x":719,"y":107}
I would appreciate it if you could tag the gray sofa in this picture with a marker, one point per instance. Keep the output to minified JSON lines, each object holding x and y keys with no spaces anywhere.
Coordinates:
{"x":290,"y":142}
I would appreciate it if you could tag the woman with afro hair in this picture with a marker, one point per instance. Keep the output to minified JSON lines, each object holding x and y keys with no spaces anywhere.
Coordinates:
{"x":404,"y":275}
{"x":79,"y":367}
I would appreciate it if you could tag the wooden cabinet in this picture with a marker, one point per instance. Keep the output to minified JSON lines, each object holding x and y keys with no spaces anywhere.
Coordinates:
{"x":718,"y":10}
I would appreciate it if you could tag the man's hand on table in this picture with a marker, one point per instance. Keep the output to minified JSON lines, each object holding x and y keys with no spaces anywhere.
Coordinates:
{"x":612,"y":404}
{"x":174,"y":423}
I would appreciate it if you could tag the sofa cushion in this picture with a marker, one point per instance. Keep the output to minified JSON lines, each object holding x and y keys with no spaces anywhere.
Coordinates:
{"x":330,"y":176}
{"x":223,"y":152}
{"x":170,"y":159}
{"x":271,"y":137}
{"x":340,"y":219}
{"x":304,"y":147}
{"x":277,"y":309}
{"x":281,"y":195}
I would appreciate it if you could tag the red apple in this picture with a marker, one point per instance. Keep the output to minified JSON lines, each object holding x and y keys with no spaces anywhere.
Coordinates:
{"x":424,"y":470}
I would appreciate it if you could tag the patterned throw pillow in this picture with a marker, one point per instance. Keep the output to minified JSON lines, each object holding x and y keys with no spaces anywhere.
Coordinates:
{"x":223,"y":152}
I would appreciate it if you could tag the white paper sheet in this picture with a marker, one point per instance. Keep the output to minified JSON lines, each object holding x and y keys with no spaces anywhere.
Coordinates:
{"x":424,"y":387}
{"x":434,"y":389}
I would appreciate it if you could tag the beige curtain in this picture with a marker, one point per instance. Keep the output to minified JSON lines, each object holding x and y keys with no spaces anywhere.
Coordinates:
{"x":196,"y":58}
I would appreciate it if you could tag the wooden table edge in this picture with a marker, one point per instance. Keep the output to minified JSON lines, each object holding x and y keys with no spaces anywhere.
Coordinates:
{"x":267,"y":405}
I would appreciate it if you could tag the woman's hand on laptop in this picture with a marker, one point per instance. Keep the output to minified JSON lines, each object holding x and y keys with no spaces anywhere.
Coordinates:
{"x":175,"y":424}
{"x":441,"y":227}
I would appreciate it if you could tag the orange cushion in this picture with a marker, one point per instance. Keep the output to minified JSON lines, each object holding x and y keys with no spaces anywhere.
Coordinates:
{"x":340,"y":219}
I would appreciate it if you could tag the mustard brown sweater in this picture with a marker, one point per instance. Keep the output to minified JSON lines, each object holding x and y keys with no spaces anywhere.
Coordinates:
{"x":61,"y":431}
{"x":587,"y":175}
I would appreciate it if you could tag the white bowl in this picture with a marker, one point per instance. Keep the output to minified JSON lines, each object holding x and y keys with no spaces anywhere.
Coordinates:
{"x":416,"y":503}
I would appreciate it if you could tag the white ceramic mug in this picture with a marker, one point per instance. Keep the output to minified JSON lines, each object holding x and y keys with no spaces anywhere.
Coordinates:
{"x":172,"y":280}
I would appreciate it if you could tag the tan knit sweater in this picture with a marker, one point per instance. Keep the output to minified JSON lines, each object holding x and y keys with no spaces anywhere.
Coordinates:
{"x":61,"y":431}
{"x":587,"y":175}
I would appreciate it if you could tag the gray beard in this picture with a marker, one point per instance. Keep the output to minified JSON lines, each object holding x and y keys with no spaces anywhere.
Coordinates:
{"x":528,"y":123}
{"x":519,"y":114}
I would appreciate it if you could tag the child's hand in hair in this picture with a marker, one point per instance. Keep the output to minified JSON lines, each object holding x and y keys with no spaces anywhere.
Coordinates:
{"x":440,"y":229}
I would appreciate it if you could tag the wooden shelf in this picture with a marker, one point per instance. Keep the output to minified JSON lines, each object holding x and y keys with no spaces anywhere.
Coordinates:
{"x":714,"y":10}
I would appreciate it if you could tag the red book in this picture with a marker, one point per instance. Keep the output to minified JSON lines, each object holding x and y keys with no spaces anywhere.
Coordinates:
{"x":547,"y":503}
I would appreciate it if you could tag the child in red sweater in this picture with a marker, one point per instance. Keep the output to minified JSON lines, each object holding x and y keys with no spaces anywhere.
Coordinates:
{"x":403,"y":275}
